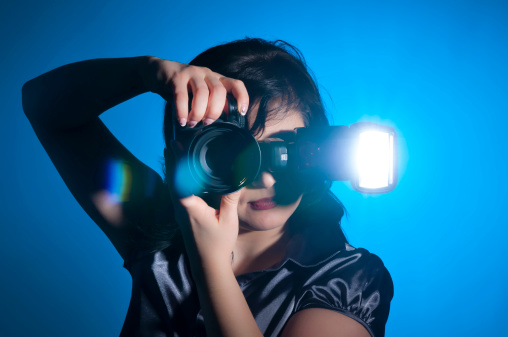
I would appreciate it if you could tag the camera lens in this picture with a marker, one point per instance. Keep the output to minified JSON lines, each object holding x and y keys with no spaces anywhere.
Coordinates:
{"x":224,"y":158}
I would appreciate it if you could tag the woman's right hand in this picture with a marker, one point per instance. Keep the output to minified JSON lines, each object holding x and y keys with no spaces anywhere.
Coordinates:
{"x":174,"y":81}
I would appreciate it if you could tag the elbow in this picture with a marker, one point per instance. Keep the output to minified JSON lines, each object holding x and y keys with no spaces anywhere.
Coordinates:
{"x":32,"y":105}
{"x":27,"y":100}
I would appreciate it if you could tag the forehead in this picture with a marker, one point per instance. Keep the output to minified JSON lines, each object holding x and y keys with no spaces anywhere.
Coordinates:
{"x":288,"y":122}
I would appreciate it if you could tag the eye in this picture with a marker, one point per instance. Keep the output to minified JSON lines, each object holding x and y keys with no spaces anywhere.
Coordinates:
{"x":281,"y":135}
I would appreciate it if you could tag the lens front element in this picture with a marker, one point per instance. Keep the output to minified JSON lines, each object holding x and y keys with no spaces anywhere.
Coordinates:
{"x":224,"y":158}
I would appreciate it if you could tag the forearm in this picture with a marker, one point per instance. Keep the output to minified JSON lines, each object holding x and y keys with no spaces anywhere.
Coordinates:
{"x":225,"y":309}
{"x":73,"y":94}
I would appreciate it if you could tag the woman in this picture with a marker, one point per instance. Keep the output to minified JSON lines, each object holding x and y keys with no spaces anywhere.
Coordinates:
{"x":272,"y":260}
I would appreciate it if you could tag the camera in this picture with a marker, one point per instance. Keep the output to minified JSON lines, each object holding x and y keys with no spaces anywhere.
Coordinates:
{"x":223,"y":157}
{"x":219,"y":158}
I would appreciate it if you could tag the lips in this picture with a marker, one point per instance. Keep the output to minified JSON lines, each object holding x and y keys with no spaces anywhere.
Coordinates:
{"x":262,"y":204}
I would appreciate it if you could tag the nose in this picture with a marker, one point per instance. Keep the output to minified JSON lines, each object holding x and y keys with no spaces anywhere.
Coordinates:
{"x":263,"y":180}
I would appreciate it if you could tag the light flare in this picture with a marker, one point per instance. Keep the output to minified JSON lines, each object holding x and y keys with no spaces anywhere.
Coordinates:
{"x":118,"y":180}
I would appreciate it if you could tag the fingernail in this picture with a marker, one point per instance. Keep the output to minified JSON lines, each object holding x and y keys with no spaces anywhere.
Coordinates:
{"x":243,"y":110}
{"x":207,"y":121}
{"x":192,"y":124}
{"x":182,"y":121}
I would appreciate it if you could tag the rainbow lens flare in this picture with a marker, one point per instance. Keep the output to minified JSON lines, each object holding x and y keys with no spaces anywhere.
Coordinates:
{"x":118,"y":180}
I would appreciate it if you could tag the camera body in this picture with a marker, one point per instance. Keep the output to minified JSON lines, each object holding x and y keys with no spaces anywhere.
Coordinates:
{"x":219,"y":158}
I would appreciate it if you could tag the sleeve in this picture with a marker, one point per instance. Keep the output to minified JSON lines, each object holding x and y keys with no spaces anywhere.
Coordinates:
{"x":358,"y":286}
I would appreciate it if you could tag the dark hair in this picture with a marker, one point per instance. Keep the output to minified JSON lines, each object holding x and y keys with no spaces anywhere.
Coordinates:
{"x":272,"y":72}
{"x":269,"y":70}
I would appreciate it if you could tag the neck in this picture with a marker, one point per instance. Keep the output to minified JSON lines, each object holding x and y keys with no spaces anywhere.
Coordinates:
{"x":258,"y":250}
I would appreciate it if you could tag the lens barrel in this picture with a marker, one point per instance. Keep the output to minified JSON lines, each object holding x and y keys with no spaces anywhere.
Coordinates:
{"x":219,"y":158}
{"x":223,"y":158}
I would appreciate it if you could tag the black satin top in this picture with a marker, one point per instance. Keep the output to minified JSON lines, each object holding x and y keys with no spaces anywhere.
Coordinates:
{"x":318,"y":272}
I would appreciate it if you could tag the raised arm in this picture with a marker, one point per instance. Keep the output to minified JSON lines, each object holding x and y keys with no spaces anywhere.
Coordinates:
{"x":63,"y":107}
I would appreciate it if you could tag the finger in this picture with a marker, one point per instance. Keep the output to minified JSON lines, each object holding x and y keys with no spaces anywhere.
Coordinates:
{"x":229,"y":207}
{"x":216,"y":99}
{"x":190,"y":202}
{"x":200,"y":94}
{"x":238,"y":89}
{"x":197,"y":208}
{"x":181,"y":103}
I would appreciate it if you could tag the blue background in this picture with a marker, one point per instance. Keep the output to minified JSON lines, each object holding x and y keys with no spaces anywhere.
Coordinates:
{"x":435,"y":70}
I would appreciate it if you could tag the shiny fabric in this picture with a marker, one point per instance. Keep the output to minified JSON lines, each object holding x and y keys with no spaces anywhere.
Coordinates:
{"x":318,"y":272}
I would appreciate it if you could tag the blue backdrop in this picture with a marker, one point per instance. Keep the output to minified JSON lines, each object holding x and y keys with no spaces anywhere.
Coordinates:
{"x":434,"y":70}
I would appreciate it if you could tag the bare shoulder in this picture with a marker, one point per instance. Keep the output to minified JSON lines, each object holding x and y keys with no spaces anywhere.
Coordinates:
{"x":323,"y":323}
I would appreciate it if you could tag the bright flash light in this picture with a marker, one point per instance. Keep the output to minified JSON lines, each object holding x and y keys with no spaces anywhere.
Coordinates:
{"x":375,"y":160}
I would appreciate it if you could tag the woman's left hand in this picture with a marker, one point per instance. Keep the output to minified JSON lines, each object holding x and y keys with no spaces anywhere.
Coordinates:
{"x":206,"y":231}
{"x":210,"y":236}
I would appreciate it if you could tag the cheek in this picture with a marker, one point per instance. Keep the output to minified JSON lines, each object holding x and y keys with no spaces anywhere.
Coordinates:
{"x":289,"y":190}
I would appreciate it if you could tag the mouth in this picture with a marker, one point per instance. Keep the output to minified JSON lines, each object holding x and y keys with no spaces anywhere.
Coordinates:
{"x":263,"y":204}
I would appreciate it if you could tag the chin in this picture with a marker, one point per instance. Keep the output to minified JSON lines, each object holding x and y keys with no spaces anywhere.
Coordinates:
{"x":263,"y":220}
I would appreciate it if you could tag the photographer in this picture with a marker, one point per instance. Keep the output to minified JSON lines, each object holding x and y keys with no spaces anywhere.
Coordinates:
{"x":272,"y":259}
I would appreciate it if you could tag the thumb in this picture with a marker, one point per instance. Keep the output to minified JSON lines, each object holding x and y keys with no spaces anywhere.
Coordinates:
{"x":229,"y":207}
{"x":193,"y":204}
